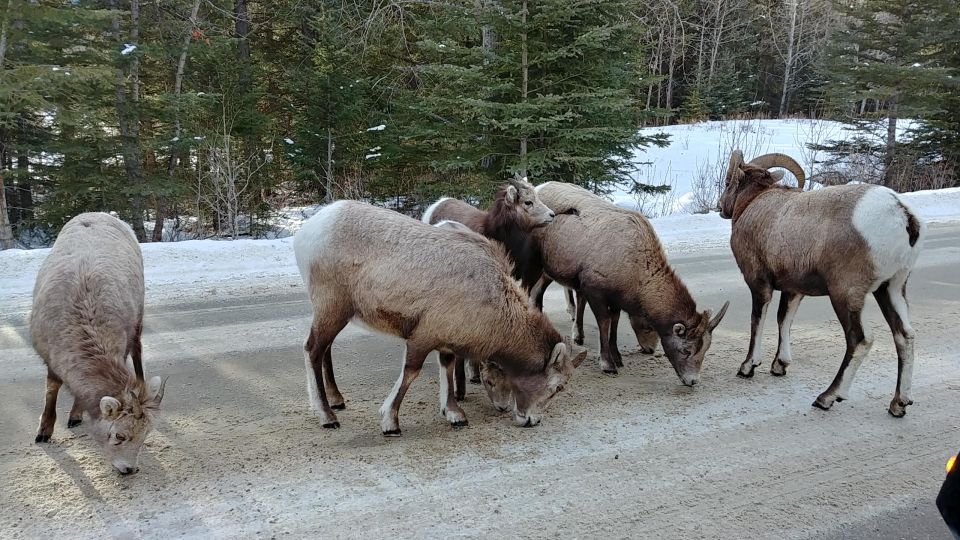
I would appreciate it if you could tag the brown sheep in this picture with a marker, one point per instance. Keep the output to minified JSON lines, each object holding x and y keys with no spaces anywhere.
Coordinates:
{"x":613,"y":256}
{"x":844,"y":242}
{"x":86,"y":319}
{"x":438,"y":289}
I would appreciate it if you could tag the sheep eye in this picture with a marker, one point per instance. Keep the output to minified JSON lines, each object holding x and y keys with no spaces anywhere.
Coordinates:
{"x":528,"y":203}
{"x":119,"y":437}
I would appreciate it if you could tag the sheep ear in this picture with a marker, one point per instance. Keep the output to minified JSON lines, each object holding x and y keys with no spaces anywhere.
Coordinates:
{"x":109,"y":407}
{"x":777,"y":176}
{"x":679,"y":330}
{"x":511,"y":195}
{"x":576,"y":353}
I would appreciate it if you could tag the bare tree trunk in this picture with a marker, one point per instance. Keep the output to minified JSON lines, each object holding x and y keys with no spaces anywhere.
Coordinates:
{"x":525,"y":75}
{"x":177,"y":129}
{"x":128,"y":117}
{"x":6,"y":230}
{"x":241,"y":32}
{"x":891,"y":145}
{"x":788,"y":60}
{"x":328,"y":187}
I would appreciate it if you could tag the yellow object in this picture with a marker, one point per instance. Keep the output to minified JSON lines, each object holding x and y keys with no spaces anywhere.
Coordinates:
{"x":951,"y":463}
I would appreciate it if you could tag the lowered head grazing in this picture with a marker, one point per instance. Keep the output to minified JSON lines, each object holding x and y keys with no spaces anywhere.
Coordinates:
{"x":685,"y":345}
{"x":530,"y":393}
{"x":126,"y":420}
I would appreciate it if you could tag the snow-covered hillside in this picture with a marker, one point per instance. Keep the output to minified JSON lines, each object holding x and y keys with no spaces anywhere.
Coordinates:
{"x":698,"y":153}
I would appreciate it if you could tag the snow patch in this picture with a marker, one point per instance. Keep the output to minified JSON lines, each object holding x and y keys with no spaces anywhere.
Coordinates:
{"x":128,"y":48}
{"x":381,"y":127}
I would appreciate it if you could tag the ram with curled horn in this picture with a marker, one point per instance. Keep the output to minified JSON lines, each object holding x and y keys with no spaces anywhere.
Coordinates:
{"x":855,"y":240}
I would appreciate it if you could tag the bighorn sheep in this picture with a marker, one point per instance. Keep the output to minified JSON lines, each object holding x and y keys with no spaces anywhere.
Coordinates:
{"x":614,"y":258}
{"x":843,"y":242}
{"x":515,"y":212}
{"x":87,"y":317}
{"x":438,"y":289}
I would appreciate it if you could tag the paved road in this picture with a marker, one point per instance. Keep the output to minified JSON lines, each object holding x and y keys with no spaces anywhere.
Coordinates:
{"x":238,"y":453}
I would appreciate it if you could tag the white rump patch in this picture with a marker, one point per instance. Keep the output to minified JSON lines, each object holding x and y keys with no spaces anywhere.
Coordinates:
{"x":430,"y":209}
{"x":312,"y":239}
{"x":882,"y":223}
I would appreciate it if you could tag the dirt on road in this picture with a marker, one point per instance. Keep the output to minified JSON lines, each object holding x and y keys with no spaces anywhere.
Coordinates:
{"x":237,"y":452}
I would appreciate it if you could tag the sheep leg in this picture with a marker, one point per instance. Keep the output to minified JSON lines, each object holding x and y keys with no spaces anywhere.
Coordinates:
{"x":474,"y":371}
{"x":893,"y":303}
{"x":315,"y":348}
{"x":760,"y":295}
{"x":136,"y":353}
{"x":538,"y":290}
{"x":76,"y":414}
{"x":460,"y":378}
{"x":49,"y":416}
{"x":614,"y":348}
{"x":581,"y":305}
{"x":330,"y":382}
{"x":448,"y":405}
{"x":646,"y":336}
{"x":602,"y":313}
{"x":389,"y":411}
{"x":571,"y":303}
{"x":858,"y":345}
{"x":785,"y":313}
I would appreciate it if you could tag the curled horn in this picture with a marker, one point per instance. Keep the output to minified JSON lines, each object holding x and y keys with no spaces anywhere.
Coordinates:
{"x":768,"y":161}
{"x":733,"y":170}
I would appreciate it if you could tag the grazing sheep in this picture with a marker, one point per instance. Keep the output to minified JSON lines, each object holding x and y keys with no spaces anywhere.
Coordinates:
{"x":438,"y":289}
{"x":515,"y":212}
{"x":86,"y":319}
{"x":614,"y":258}
{"x":843,"y":242}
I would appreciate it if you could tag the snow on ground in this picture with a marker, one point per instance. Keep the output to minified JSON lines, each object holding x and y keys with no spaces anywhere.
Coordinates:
{"x":208,"y":268}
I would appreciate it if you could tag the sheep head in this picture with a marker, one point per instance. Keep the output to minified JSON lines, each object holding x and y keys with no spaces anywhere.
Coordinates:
{"x":757,"y":172}
{"x":520,"y":198}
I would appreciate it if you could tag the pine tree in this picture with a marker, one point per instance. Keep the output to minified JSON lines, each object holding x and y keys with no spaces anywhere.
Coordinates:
{"x":884,"y":68}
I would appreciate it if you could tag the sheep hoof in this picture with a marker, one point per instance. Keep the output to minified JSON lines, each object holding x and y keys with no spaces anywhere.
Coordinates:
{"x":578,"y":340}
{"x":332,"y":425}
{"x":475,"y":379}
{"x":748,"y":374}
{"x":612,"y":372}
{"x":392,"y":433}
{"x":898,"y":408}
{"x":778,"y":368}
{"x":459,"y":423}
{"x":824,"y":401}
{"x":74,"y":422}
{"x":646,"y":350}
{"x":46,"y":438}
{"x":339,"y":406}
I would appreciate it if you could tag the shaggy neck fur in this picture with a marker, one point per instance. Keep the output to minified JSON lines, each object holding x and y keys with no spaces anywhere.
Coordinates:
{"x":100,"y":369}
{"x":532,"y":341}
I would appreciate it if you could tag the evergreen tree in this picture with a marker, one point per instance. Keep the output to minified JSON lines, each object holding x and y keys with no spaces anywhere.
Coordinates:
{"x":884,"y":67}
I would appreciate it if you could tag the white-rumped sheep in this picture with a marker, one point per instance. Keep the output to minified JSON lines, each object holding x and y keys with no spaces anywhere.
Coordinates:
{"x":515,"y":212}
{"x":613,"y":257}
{"x":86,"y":319}
{"x":843,"y":242}
{"x":436,"y":288}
